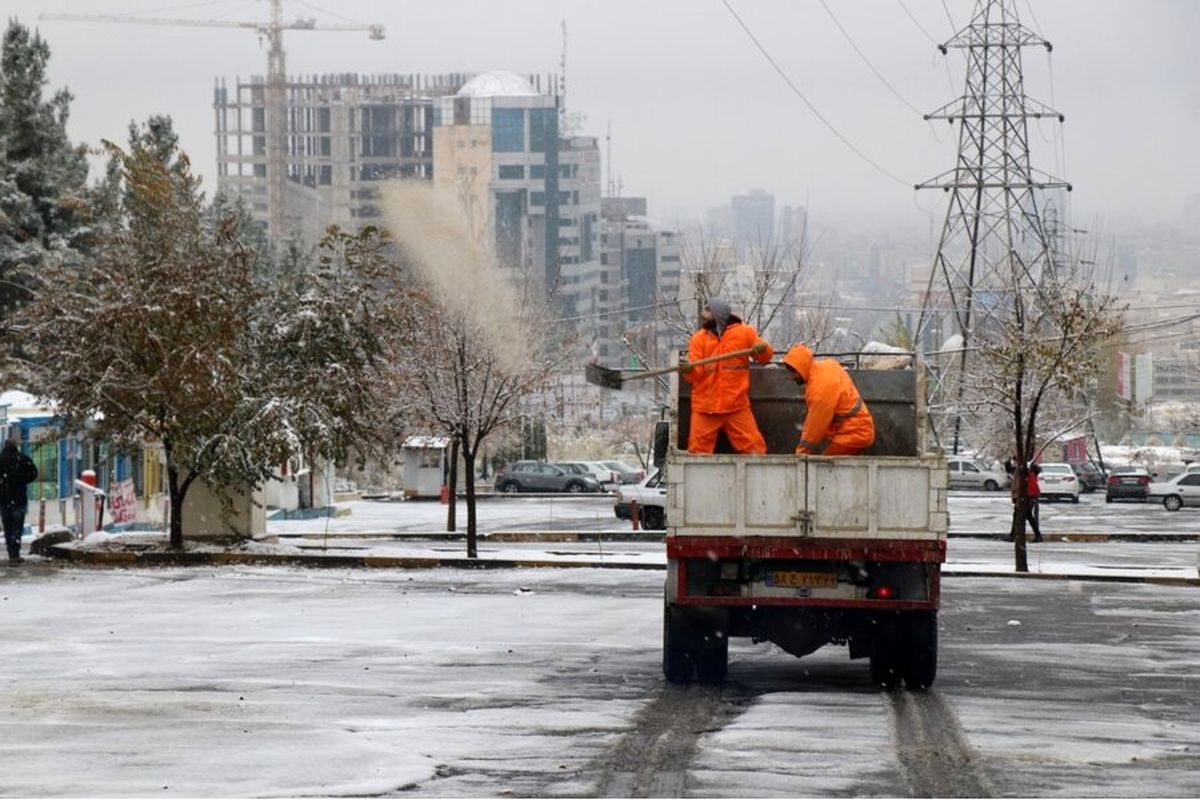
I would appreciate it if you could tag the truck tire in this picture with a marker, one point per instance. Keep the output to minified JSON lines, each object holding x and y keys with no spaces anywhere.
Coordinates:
{"x":653,"y":518}
{"x":887,"y":651}
{"x":712,"y":665}
{"x":678,"y":647}
{"x":920,"y":662}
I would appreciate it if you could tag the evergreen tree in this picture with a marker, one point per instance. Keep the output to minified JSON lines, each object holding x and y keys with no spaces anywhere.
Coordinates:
{"x":43,"y":194}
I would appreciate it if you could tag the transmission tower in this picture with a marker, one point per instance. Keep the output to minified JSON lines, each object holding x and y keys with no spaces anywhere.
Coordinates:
{"x":993,"y":229}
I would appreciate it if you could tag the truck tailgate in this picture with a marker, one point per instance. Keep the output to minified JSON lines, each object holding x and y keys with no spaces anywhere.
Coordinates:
{"x":851,"y":497}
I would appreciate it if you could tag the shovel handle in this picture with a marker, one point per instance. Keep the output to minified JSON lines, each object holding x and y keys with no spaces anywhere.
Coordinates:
{"x":698,"y":363}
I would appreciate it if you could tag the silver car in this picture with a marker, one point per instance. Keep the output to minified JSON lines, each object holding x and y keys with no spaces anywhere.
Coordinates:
{"x":966,"y":474}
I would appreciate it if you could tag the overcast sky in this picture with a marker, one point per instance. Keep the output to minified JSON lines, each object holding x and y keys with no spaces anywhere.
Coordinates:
{"x":697,"y":113}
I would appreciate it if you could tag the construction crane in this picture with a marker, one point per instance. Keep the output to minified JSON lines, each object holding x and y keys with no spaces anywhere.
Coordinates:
{"x":276,"y":94}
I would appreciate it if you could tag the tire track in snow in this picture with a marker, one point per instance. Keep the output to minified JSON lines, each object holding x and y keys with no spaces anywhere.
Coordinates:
{"x":652,"y":759}
{"x":935,"y":756}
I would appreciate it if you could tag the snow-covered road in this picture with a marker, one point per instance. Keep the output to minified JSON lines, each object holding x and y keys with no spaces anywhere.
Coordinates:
{"x":245,"y":681}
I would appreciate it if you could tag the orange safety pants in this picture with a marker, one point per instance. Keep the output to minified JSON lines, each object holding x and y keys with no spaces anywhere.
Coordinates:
{"x":846,"y":443}
{"x":738,"y":425}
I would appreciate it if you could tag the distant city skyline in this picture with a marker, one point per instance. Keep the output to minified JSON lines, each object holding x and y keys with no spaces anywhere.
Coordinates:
{"x":697,"y":114}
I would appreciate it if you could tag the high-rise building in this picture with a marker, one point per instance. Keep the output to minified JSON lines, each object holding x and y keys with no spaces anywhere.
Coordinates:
{"x":345,"y":133}
{"x":640,"y":274}
{"x":497,"y":150}
{"x":753,"y":220}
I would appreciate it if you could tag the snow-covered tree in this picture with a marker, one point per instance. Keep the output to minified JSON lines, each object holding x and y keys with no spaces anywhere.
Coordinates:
{"x":470,"y":339}
{"x":43,"y":178}
{"x":166,"y":337}
{"x":1043,"y":339}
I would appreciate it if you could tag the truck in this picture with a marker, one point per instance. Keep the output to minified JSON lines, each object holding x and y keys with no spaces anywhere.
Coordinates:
{"x":805,"y":551}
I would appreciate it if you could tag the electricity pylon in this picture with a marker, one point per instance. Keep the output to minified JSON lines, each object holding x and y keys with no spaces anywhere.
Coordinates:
{"x":993,"y":229}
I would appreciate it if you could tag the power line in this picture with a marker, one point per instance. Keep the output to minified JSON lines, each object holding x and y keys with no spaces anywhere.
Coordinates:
{"x":928,"y":35}
{"x":806,"y":101}
{"x":867,"y":61}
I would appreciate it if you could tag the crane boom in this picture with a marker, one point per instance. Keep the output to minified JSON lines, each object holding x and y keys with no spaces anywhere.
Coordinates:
{"x":276,"y":94}
{"x":299,"y":24}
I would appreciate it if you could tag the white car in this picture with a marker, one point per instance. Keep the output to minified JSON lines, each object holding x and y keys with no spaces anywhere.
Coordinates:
{"x":970,"y":475}
{"x":651,"y":497}
{"x":1058,"y":481}
{"x":1182,"y":490}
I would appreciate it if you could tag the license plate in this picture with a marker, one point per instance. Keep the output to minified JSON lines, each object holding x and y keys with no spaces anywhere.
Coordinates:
{"x":1129,"y":480}
{"x":816,"y":580}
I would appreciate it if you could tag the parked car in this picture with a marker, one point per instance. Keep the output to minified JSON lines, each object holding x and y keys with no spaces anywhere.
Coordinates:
{"x":1090,"y":476}
{"x":538,"y":476}
{"x":607,"y":478}
{"x":1058,"y":482}
{"x":971,"y":475}
{"x":1182,"y":490}
{"x":651,"y":496}
{"x":1127,"y":483}
{"x":627,"y":473}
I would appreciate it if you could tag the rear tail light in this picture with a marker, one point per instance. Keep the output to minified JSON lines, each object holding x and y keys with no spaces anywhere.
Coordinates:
{"x":881,"y":592}
{"x":1144,"y":480}
{"x":1114,"y":479}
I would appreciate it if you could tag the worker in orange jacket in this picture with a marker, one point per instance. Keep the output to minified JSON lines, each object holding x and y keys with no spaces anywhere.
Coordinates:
{"x":838,"y":422}
{"x":721,"y":390}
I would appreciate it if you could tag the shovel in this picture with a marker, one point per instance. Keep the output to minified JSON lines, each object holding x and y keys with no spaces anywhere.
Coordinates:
{"x":614,"y":378}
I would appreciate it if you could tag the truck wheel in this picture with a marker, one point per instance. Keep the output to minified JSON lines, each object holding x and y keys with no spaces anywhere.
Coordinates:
{"x":678,"y":656}
{"x":884,"y":670}
{"x":920,"y":663}
{"x":713,"y":664}
{"x":653,"y":518}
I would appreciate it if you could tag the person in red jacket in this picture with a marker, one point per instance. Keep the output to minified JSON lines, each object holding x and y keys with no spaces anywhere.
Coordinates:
{"x":837,"y":422}
{"x":721,"y":390}
{"x":1033,"y":490}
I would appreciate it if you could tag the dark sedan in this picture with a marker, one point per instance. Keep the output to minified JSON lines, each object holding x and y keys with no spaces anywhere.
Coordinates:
{"x":1127,"y":483}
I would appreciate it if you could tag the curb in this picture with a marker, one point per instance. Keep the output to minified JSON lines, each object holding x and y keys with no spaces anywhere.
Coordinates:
{"x":160,"y":558}
{"x":658,"y":536}
{"x":168,"y":559}
{"x":491,"y":536}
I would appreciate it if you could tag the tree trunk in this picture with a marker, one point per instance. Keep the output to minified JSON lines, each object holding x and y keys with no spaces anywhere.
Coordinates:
{"x":176,"y":492}
{"x":452,"y":487}
{"x":469,"y":467}
{"x":1020,"y":554}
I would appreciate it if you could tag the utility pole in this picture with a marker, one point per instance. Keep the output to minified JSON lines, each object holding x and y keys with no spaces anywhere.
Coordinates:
{"x":993,"y":219}
{"x":276,"y":89}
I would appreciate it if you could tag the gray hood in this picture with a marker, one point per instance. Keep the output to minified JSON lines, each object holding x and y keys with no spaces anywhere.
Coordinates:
{"x":722,"y":312}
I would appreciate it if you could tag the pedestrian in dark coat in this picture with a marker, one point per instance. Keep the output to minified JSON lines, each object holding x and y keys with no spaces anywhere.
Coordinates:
{"x":17,"y":471}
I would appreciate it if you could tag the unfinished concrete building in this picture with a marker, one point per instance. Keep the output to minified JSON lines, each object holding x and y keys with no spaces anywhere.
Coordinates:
{"x":344,"y":133}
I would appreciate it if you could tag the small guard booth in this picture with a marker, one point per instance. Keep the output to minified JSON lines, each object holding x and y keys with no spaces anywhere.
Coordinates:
{"x":426,"y":466}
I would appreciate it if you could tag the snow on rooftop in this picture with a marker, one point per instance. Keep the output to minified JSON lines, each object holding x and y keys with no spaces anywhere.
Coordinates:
{"x":427,"y":442}
{"x":497,"y":84}
{"x":22,"y":404}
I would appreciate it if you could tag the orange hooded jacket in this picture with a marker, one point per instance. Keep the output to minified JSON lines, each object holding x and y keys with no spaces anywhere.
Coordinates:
{"x":836,"y":412}
{"x":723,"y":386}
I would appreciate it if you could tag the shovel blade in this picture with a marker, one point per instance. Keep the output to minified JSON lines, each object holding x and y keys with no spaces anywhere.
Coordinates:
{"x":603,"y":376}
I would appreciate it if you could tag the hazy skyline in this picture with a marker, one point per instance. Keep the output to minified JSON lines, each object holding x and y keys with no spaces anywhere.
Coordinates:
{"x":697,"y":114}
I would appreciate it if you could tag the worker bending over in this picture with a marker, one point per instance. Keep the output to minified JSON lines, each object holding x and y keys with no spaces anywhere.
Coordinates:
{"x":721,"y":390}
{"x":838,"y":422}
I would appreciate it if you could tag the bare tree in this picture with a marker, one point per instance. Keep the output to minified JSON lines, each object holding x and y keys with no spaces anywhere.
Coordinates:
{"x":1043,"y":339}
{"x":763,"y":289}
{"x":456,"y":374}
